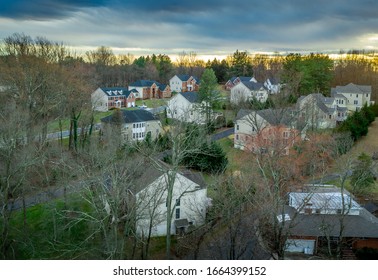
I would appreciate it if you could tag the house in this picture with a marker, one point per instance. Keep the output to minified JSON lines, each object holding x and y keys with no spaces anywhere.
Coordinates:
{"x":136,"y":125}
{"x":246,"y":91}
{"x":269,"y":130}
{"x":236,"y":80}
{"x":104,"y":99}
{"x":184,"y":83}
{"x":186,"y":107}
{"x":355,"y":96}
{"x":272,"y":85}
{"x":317,"y":217}
{"x":320,"y":112}
{"x":189,"y":202}
{"x":147,"y":89}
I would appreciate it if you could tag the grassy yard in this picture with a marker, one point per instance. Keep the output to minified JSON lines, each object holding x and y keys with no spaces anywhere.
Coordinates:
{"x":152,"y":103}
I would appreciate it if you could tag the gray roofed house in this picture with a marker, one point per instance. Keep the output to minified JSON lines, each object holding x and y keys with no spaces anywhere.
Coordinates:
{"x":189,"y":200}
{"x":184,"y":83}
{"x":186,"y":107}
{"x":247,"y":90}
{"x":137,"y":124}
{"x":320,"y":112}
{"x":355,"y":96}
{"x":316,"y":216}
{"x":147,"y":89}
{"x":269,"y":130}
{"x":105,"y":98}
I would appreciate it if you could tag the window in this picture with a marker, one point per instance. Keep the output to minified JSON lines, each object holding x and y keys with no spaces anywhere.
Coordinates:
{"x":237,"y":127}
{"x":286,"y":134}
{"x":133,"y":125}
{"x":237,"y":136}
{"x":177,"y":213}
{"x":355,"y":102}
{"x":178,"y":202}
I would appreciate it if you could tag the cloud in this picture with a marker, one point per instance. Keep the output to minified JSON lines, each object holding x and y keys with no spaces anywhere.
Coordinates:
{"x":204,"y":26}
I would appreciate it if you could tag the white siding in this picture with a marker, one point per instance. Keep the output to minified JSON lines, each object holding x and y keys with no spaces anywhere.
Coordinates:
{"x":99,"y":100}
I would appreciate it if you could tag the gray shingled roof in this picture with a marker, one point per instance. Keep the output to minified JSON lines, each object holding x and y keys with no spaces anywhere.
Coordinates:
{"x":363,"y":225}
{"x":116,"y":91}
{"x":278,"y":116}
{"x":352,"y":88}
{"x":191,"y":96}
{"x":285,"y":116}
{"x":252,"y":85}
{"x":132,"y":116}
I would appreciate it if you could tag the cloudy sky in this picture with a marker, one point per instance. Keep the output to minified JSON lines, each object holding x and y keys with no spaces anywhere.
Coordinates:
{"x":208,"y":27}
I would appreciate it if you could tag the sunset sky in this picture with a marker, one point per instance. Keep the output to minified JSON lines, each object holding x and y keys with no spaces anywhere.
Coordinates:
{"x":207,"y":27}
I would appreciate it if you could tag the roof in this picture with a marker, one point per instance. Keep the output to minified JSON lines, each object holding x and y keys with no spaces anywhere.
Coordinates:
{"x":148,"y":174}
{"x":363,"y":225}
{"x":144,"y":83}
{"x":324,"y":200}
{"x":191,"y":96}
{"x":132,"y":116}
{"x":116,"y":91}
{"x":253,"y":85}
{"x":272,"y":116}
{"x":277,"y":116}
{"x":352,"y":88}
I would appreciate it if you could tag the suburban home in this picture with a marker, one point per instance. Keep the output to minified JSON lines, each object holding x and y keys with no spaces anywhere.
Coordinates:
{"x":236,"y":80}
{"x":246,"y":91}
{"x":136,"y":125}
{"x":317,"y":217}
{"x":189,"y":202}
{"x":320,"y":112}
{"x":104,"y":99}
{"x":186,"y":107}
{"x":147,"y":89}
{"x":272,"y":85}
{"x":355,"y":96}
{"x":184,"y":83}
{"x":273,"y":131}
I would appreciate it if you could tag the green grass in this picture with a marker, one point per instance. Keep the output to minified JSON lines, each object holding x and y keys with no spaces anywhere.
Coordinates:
{"x":152,"y":103}
{"x":50,"y":232}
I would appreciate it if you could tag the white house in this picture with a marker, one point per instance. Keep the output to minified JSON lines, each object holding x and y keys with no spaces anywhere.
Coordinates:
{"x":186,"y":107}
{"x":356,"y":96}
{"x":184,"y":83}
{"x":189,"y":203}
{"x":136,"y":126}
{"x":320,"y":112}
{"x":235,"y":80}
{"x":246,"y":91}
{"x":272,"y":85}
{"x":104,"y":99}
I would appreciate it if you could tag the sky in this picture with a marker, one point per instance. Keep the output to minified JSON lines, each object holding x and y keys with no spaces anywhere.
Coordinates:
{"x":207,"y":27}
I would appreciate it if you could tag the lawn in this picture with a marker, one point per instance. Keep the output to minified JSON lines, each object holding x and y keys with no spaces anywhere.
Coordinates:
{"x":152,"y":103}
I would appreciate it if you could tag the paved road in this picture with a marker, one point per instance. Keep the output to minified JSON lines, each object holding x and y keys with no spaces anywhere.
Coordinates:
{"x":66,"y":133}
{"x":222,"y":134}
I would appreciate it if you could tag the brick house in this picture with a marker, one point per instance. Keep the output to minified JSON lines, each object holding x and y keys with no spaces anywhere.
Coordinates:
{"x":147,"y":89}
{"x":104,"y":99}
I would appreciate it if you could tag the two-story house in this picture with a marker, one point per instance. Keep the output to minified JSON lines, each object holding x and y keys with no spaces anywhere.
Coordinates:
{"x":355,"y":96}
{"x":236,"y":80}
{"x":320,"y":112}
{"x":246,"y":91}
{"x":271,"y":130}
{"x":184,"y":83}
{"x":147,"y":89}
{"x":136,"y":125}
{"x":189,"y":202}
{"x":186,"y":107}
{"x":104,"y":99}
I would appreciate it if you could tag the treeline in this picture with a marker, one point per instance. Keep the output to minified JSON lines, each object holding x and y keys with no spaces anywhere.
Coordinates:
{"x":357,"y":124}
